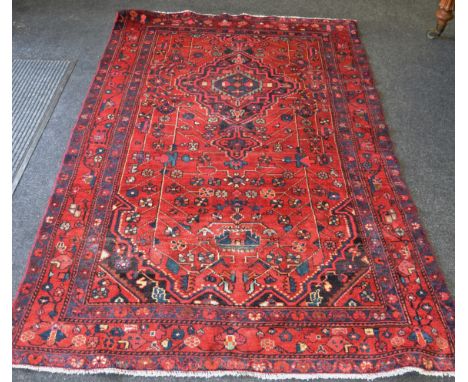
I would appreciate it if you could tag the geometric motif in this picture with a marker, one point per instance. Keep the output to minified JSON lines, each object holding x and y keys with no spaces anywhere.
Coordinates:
{"x":237,"y":86}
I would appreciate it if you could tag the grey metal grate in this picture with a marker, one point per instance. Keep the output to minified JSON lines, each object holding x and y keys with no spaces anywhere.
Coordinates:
{"x":37,"y":86}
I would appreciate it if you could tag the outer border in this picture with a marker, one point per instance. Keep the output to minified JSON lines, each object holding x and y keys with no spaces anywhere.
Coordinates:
{"x":385,"y":149}
{"x":392,"y":167}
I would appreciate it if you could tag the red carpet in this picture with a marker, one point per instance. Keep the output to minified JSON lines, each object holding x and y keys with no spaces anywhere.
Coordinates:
{"x":230,"y":203}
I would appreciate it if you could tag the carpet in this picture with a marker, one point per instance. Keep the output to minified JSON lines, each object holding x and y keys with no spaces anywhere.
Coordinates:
{"x":230,"y":204}
{"x":37,"y":85}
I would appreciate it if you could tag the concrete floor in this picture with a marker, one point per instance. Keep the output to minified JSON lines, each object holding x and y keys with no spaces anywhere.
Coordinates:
{"x":415,"y":78}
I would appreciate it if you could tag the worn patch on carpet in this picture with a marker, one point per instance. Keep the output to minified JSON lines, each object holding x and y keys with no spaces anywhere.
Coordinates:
{"x":230,"y":203}
{"x":37,"y":85}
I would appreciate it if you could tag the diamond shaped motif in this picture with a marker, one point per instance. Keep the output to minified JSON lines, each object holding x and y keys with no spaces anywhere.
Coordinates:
{"x":237,"y":87}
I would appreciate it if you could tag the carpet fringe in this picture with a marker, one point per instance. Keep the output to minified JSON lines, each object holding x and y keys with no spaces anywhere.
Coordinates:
{"x":239,"y":14}
{"x":235,"y":373}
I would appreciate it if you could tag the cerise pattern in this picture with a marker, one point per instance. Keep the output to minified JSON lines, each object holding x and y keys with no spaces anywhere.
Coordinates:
{"x":230,"y":201}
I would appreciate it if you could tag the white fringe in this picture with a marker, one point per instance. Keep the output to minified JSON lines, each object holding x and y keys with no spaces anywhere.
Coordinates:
{"x":239,"y":14}
{"x":234,"y":373}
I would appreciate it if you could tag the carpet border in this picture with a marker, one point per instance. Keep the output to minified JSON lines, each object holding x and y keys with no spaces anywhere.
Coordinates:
{"x":64,"y":155}
{"x":386,"y":151}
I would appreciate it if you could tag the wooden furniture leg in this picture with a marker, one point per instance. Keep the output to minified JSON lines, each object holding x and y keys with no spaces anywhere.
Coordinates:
{"x":444,"y":14}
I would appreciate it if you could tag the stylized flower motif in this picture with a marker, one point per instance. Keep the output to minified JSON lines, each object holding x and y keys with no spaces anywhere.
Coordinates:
{"x":27,"y":336}
{"x":131,"y":230}
{"x":399,"y":231}
{"x":364,"y":347}
{"x":276,"y":203}
{"x":337,"y":184}
{"x":345,"y":366}
{"x":108,"y":343}
{"x":302,"y":366}
{"x":143,"y":312}
{"x":230,"y":342}
{"x":322,"y":205}
{"x":236,"y":180}
{"x":295,"y":203}
{"x":208,"y":135}
{"x":288,"y":175}
{"x":122,"y":264}
{"x":61,"y":246}
{"x":178,"y":245}
{"x":79,"y":340}
{"x":93,"y":342}
{"x":201,"y":202}
{"x":259,"y":366}
{"x":145,"y":363}
{"x":278,"y":182}
{"x":267,"y":344}
{"x":274,"y":258}
{"x":366,"y":366}
{"x":303,"y":234}
{"x":264,"y":159}
{"x":235,"y":364}
{"x":298,"y":246}
{"x":65,"y":226}
{"x":428,"y":364}
{"x":322,"y":175}
{"x":284,"y":219}
{"x":397,"y":341}
{"x":178,"y":334}
{"x":298,"y":191}
{"x":329,"y":244}
{"x":255,"y":316}
{"x":442,"y":343}
{"x":99,"y":292}
{"x":133,"y":217}
{"x":197,"y":181}
{"x":267,"y":193}
{"x":206,"y":192}
{"x":192,"y":341}
{"x":193,"y":146}
{"x":76,"y":363}
{"x":181,"y":201}
{"x":221,"y":193}
{"x":176,"y":174}
{"x":293,"y":258}
{"x":146,"y":202}
{"x":147,"y":172}
{"x":416,"y":226}
{"x":168,"y":363}
{"x":166,"y":344}
{"x":99,"y":361}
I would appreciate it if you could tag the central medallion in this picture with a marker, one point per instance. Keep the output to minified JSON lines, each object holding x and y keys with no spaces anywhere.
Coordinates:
{"x":237,"y":87}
